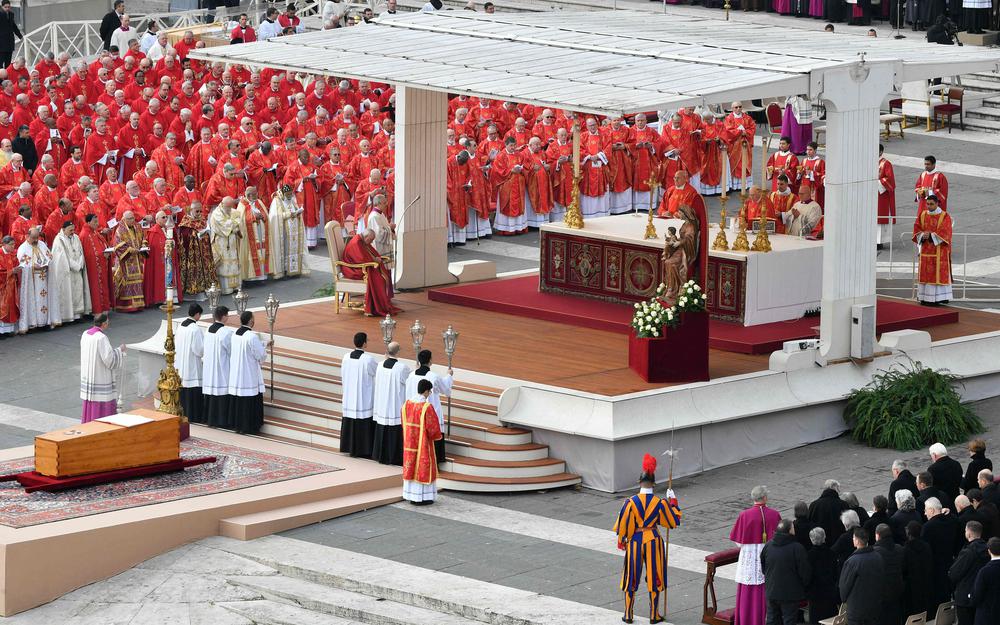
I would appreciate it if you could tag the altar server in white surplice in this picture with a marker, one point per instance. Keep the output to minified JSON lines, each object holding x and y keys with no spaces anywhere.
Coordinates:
{"x":390,"y":394}
{"x":69,"y":271}
{"x":357,"y":376}
{"x":190,"y":340}
{"x":215,"y":370}
{"x":246,"y":381}
{"x":442,"y":386}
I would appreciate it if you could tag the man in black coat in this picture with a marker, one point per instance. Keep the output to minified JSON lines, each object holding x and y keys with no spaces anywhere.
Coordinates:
{"x":902,"y":479}
{"x":991,"y":492}
{"x":987,"y":512}
{"x":111,"y":21}
{"x":861,"y":582}
{"x":802,"y":525}
{"x":964,"y":570}
{"x":986,"y":590}
{"x":967,"y":512}
{"x":879,"y":516}
{"x":926,"y":490}
{"x":8,"y":30}
{"x":943,"y":533}
{"x":917,"y":575}
{"x":25,"y":146}
{"x":947,"y":474}
{"x":892,"y":558}
{"x":786,"y":575}
{"x":825,"y":511}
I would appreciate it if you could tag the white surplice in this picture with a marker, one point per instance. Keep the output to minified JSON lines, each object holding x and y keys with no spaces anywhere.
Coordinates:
{"x":247,"y":352}
{"x":39,"y":305}
{"x":442,"y":386}
{"x":69,"y":271}
{"x":390,"y":392}
{"x":190,"y":341}
{"x":215,"y":363}
{"x":98,"y":361}
{"x":357,"y":376}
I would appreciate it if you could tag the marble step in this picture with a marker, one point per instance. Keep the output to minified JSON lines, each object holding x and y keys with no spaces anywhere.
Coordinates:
{"x":390,"y":580}
{"x":268,"y":612}
{"x":504,"y":468}
{"x":344,"y":604}
{"x":490,"y":484}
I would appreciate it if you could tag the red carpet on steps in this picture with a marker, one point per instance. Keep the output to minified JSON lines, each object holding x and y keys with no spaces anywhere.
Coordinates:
{"x":520,"y":296}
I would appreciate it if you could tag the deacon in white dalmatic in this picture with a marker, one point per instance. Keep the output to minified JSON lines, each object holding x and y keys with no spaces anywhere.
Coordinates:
{"x":390,"y":395}
{"x":442,"y":386}
{"x":357,"y":376}
{"x":190,"y":340}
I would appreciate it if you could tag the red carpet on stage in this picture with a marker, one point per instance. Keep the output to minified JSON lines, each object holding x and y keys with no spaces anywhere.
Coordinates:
{"x":520,"y":296}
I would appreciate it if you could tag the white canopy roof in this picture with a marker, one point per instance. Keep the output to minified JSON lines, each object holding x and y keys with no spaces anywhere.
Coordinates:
{"x":600,"y":62}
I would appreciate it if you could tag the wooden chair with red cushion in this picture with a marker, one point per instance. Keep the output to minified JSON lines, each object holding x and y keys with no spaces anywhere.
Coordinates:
{"x":951,"y":107}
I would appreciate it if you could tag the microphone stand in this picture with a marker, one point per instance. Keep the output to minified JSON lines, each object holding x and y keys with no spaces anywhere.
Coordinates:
{"x":395,"y":239}
{"x":899,"y":19}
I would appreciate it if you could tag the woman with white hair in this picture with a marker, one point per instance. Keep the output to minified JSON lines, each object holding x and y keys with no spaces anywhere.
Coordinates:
{"x":843,"y":547}
{"x":906,"y":505}
{"x":822,"y":591}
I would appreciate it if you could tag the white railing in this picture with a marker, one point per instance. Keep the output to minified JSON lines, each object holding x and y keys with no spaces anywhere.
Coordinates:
{"x":962,"y":283}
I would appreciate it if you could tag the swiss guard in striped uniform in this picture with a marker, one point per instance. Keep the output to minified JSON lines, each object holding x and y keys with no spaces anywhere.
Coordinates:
{"x":639,"y":538}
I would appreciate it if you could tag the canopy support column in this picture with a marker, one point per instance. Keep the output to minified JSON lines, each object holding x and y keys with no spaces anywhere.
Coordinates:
{"x":421,"y":224}
{"x":853,"y":96}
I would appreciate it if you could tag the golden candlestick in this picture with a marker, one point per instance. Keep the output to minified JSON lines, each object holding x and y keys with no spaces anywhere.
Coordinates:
{"x":741,"y":244}
{"x":169,"y":383}
{"x":761,"y":243}
{"x":573,"y":217}
{"x":721,"y":242}
{"x":654,"y":184}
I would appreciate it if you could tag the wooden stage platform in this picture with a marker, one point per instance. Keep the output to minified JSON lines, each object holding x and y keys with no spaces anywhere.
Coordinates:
{"x":546,"y":352}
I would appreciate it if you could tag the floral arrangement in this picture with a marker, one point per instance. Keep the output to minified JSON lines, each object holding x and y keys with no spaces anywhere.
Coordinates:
{"x":652,"y":316}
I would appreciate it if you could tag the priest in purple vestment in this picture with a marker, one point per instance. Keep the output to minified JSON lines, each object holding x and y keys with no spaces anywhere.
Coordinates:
{"x":754,"y":527}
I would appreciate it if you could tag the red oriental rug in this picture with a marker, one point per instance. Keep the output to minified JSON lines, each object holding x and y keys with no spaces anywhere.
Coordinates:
{"x":520,"y":296}
{"x":235,"y":468}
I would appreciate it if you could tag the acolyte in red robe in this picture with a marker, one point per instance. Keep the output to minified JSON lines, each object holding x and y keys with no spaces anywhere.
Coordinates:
{"x":378,"y":297}
{"x":420,"y":429}
{"x":935,"y":260}
{"x":813,"y":171}
{"x":787,"y":164}
{"x":98,"y":269}
{"x":781,"y":204}
{"x":887,"y":194}
{"x":928,"y":183}
{"x":154,"y":283}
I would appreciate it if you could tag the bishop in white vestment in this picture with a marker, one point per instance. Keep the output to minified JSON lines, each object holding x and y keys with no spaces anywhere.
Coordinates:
{"x":246,"y":381}
{"x":390,"y":394}
{"x":442,"y":386}
{"x":98,"y":362}
{"x":190,"y":342}
{"x":224,"y":225}
{"x":215,"y":370}
{"x":357,"y":377}
{"x":287,"y":235}
{"x":39,"y":293}
{"x":69,"y":272}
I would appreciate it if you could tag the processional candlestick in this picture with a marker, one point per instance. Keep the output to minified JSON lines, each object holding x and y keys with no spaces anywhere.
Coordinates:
{"x":388,"y":328}
{"x":242,"y":298}
{"x":213,"y":293}
{"x":417,"y":332}
{"x":271,"y":309}
{"x":169,"y":382}
{"x":654,"y":184}
{"x":573,"y":217}
{"x":741,"y":244}
{"x":450,"y":337}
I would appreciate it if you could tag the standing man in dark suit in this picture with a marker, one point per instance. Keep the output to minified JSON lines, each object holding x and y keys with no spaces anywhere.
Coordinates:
{"x":861,"y":582}
{"x":112,"y":21}
{"x":8,"y":30}
{"x":947,"y":473}
{"x":964,"y":570}
{"x":902,"y":479}
{"x":892,"y":558}
{"x":986,"y":590}
{"x":943,"y":533}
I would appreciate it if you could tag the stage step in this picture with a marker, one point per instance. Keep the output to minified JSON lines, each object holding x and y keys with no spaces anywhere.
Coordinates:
{"x":503,"y":468}
{"x":255,"y":525}
{"x":343,"y":604}
{"x":482,"y":454}
{"x":475,"y":483}
{"x":267,"y":612}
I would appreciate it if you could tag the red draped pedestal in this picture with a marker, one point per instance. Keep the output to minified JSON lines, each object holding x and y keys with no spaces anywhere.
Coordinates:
{"x":680,"y":355}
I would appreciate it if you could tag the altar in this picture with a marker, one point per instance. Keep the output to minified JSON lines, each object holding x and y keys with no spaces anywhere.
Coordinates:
{"x":609,"y":260}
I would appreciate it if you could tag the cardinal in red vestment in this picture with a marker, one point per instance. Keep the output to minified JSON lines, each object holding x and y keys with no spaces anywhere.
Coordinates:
{"x":10,"y":287}
{"x":154,"y":283}
{"x":97,"y":150}
{"x":643,"y":146}
{"x":681,"y":193}
{"x":458,"y":190}
{"x":304,"y":178}
{"x":738,"y":131}
{"x":98,"y":265}
{"x":378,"y":296}
{"x":262,"y":171}
{"x":507,"y":178}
